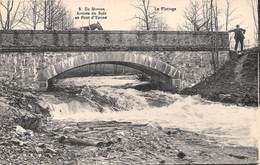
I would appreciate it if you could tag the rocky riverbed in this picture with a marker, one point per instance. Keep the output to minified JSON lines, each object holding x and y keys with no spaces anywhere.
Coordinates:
{"x":114,"y":143}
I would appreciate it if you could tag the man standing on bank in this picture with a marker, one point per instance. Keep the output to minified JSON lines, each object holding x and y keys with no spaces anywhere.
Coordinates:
{"x":239,"y":36}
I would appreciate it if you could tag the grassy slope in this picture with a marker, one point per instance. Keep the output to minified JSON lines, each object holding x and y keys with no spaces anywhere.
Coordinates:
{"x":235,"y":82}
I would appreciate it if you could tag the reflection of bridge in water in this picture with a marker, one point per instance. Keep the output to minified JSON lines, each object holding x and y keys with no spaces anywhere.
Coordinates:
{"x":56,"y":52}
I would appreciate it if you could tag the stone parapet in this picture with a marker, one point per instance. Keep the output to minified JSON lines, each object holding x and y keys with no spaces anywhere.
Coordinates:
{"x":42,"y":41}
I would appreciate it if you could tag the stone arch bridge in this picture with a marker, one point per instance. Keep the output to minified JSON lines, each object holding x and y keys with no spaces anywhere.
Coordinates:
{"x":34,"y":57}
{"x":165,"y":75}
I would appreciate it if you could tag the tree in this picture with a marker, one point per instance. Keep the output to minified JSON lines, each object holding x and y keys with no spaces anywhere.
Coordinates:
{"x":229,"y":12}
{"x":11,"y":14}
{"x":52,"y":12}
{"x":63,"y":19}
{"x":204,"y":16}
{"x":230,"y":15}
{"x":258,"y":23}
{"x":147,"y":17}
{"x":158,"y":23}
{"x":212,"y":41}
{"x":55,"y":15}
{"x":255,"y":15}
{"x":34,"y":14}
{"x":196,"y":16}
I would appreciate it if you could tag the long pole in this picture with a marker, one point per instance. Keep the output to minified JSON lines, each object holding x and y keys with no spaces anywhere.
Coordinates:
{"x":45,"y":14}
{"x":212,"y":36}
{"x":216,"y":41}
{"x":258,"y":6}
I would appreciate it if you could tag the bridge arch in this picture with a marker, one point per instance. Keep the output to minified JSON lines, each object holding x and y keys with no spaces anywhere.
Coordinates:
{"x":165,"y":74}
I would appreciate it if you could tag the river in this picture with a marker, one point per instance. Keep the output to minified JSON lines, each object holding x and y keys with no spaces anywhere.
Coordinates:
{"x":108,"y":100}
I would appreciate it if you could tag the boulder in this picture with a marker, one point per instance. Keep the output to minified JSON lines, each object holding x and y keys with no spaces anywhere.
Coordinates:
{"x":181,"y":154}
{"x":29,"y":121}
{"x":20,"y":130}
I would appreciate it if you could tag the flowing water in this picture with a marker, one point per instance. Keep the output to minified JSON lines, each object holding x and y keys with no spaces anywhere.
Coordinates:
{"x":105,"y":101}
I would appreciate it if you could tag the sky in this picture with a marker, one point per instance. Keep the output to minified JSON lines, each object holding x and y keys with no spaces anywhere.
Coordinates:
{"x":120,"y":13}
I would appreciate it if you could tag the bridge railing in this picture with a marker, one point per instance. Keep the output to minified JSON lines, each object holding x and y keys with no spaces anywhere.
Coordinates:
{"x":39,"y":40}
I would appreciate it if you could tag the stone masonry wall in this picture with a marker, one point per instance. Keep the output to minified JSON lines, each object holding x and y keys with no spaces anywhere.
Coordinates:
{"x":23,"y":67}
{"x":26,"y":40}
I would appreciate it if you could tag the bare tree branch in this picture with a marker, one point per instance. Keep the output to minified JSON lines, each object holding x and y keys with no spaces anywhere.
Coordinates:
{"x":229,"y":12}
{"x":1,"y":21}
{"x":1,"y":3}
{"x":14,"y":14}
{"x":148,"y":18}
{"x":253,"y":5}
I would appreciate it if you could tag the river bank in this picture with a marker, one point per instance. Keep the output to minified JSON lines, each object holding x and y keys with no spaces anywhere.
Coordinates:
{"x":120,"y":143}
{"x":236,"y":82}
{"x":113,"y":143}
